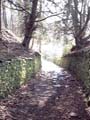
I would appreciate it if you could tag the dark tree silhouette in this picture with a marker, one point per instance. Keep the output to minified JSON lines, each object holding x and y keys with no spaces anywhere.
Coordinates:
{"x":30,"y":25}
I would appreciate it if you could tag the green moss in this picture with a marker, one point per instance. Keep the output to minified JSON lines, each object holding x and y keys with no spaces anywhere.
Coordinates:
{"x":16,"y":72}
{"x":79,"y":64}
{"x":37,"y":63}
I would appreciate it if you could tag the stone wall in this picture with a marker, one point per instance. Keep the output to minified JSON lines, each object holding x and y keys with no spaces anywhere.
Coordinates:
{"x":15,"y":72}
{"x":79,"y":63}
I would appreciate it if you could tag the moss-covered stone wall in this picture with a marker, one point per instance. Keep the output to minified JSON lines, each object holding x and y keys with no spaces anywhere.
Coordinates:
{"x":15,"y":72}
{"x":79,"y":63}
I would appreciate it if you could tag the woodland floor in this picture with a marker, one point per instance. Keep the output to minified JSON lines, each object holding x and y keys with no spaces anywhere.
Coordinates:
{"x":48,"y":96}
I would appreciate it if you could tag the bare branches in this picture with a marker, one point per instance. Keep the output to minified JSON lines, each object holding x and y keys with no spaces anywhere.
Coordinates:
{"x":17,"y":6}
{"x":17,"y":9}
{"x":54,"y":3}
{"x":48,"y":17}
{"x":20,"y":8}
{"x":86,"y":38}
{"x":85,"y":25}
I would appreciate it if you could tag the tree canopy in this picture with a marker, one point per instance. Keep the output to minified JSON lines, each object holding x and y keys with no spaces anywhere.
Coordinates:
{"x":71,"y":17}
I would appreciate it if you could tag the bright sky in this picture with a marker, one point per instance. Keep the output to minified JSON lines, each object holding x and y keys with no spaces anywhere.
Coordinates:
{"x":53,"y":8}
{"x":46,"y":7}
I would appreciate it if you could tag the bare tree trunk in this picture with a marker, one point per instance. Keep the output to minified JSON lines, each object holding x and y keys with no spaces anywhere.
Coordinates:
{"x":32,"y":44}
{"x":12,"y":26}
{"x":4,"y":15}
{"x":80,"y":24}
{"x":40,"y":9}
{"x":30,"y":26}
{"x":0,"y":22}
{"x":28,"y":8}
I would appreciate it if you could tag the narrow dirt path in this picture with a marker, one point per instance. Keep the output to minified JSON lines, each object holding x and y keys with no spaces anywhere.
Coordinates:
{"x":52,"y":95}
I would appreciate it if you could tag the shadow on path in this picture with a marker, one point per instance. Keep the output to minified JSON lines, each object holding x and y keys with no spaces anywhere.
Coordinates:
{"x":51,"y":95}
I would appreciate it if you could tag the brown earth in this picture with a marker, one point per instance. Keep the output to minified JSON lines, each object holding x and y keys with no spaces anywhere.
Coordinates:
{"x":10,"y":46}
{"x":46,"y":97}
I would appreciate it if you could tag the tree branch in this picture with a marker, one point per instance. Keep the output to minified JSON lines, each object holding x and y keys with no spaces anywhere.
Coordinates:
{"x":86,"y":38}
{"x":85,"y":25}
{"x":18,"y":6}
{"x":47,"y":17}
{"x":17,"y":9}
